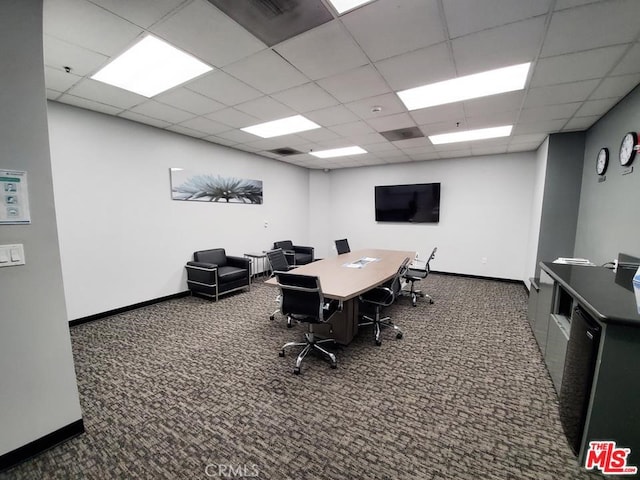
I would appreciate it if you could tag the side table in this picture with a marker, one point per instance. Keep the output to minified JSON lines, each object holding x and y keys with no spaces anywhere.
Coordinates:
{"x":258,"y":260}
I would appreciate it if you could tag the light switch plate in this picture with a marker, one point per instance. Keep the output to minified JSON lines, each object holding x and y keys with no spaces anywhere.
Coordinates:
{"x":11,"y":255}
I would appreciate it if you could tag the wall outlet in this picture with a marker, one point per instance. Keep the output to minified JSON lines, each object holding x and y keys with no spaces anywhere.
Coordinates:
{"x":483,"y":260}
{"x":266,"y":224}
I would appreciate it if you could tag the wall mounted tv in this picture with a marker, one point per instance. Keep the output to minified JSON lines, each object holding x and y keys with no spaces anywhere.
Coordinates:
{"x":418,"y":203}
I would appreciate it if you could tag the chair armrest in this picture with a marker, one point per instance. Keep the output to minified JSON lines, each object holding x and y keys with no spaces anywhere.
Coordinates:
{"x":239,"y":262}
{"x":209,"y":267}
{"x":379,"y":296}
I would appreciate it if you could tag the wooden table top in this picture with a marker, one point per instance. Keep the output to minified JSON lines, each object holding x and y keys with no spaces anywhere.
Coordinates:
{"x":343,"y":283}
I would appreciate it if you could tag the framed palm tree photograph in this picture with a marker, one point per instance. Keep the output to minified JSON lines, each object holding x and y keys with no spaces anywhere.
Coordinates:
{"x":202,"y":187}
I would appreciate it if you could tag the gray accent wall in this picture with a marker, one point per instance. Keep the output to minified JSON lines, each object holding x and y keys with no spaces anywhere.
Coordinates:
{"x":561,"y":199}
{"x":609,"y":216}
{"x":38,"y":391}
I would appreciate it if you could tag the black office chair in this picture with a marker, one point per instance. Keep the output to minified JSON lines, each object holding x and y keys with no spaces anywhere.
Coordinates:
{"x":278,"y":263}
{"x":342,"y":246}
{"x":302,"y":297}
{"x":418,"y":271}
{"x":383,"y":296}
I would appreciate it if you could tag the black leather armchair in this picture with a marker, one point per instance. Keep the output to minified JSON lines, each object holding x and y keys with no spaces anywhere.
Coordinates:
{"x":296,"y":254}
{"x":213,"y":272}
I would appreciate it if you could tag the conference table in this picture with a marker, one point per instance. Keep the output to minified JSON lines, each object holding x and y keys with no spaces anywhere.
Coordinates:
{"x":343,"y":278}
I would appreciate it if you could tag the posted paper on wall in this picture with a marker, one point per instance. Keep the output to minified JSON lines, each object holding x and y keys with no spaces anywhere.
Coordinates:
{"x":14,"y":197}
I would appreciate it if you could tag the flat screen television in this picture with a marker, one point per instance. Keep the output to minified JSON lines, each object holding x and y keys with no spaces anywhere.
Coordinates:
{"x":418,"y":203}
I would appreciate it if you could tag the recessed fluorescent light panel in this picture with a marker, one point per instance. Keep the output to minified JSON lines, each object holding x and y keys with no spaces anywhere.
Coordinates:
{"x":284,"y":126}
{"x":338,"y":152}
{"x":501,"y":80}
{"x":150,"y":67}
{"x":468,"y":135}
{"x":342,"y":6}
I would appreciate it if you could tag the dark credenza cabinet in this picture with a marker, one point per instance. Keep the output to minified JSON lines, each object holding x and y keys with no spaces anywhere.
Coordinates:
{"x":566,"y":297}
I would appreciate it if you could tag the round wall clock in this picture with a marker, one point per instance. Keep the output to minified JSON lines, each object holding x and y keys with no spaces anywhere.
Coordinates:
{"x":602,"y":161}
{"x":628,"y":148}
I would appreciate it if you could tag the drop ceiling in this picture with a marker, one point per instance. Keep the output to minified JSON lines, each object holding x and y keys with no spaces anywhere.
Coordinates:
{"x":585,"y":54}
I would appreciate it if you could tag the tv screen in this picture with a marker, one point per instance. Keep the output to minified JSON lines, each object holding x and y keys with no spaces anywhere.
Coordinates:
{"x":418,"y":203}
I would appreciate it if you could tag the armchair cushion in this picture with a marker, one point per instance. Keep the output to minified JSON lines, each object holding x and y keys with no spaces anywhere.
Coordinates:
{"x":302,"y":254}
{"x":213,"y":272}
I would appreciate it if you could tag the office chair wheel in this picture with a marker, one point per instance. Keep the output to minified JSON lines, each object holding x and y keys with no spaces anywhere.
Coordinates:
{"x":271,"y":317}
{"x":431,"y":301}
{"x":378,"y":342}
{"x":414,"y":301}
{"x":334,"y":365}
{"x":281,"y":353}
{"x":296,"y":370}
{"x":399,"y":335}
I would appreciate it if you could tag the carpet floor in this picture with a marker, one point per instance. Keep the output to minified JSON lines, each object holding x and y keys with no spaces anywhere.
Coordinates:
{"x":190,"y":388}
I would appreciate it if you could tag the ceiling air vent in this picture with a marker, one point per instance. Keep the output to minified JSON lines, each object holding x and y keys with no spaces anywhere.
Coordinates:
{"x":402,"y":134}
{"x":273,"y":21}
{"x":285,"y":151}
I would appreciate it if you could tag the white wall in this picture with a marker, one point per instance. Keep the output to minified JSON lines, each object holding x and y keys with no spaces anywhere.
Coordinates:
{"x":485,"y":212}
{"x":38,"y":392}
{"x":536,"y":210}
{"x":122,"y":239}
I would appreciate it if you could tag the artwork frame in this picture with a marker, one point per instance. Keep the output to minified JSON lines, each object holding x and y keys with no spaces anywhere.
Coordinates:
{"x":193,"y":186}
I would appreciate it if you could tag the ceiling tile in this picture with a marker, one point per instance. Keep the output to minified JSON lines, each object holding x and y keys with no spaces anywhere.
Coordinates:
{"x":388,"y":28}
{"x":451,"y":111}
{"x":219,"y":140}
{"x":596,"y":107}
{"x":136,"y":117}
{"x":420,"y":67}
{"x":186,"y":131}
{"x":204,"y":125}
{"x":529,"y":138}
{"x":233,"y":118}
{"x":488,"y":150}
{"x":319,"y":135}
{"x":549,"y":112}
{"x":382,"y":147}
{"x":630,"y":63}
{"x":389,"y":104}
{"x":89,"y":26}
{"x":154,"y":109}
{"x":265,"y":108}
{"x":549,"y":126}
{"x":58,"y":54}
{"x":323,"y":51}
{"x":277,"y":142}
{"x":103,"y":93}
{"x":563,"y":93}
{"x":483,"y":51}
{"x":355,"y":84}
{"x":189,"y":101}
{"x":141,"y":12}
{"x":523,"y":147}
{"x":492,"y":120}
{"x":468,"y":16}
{"x":443,"y":127}
{"x":223,"y":88}
{"x":562,"y":4}
{"x":574,"y":67}
{"x":275,"y":73}
{"x":208,"y":34}
{"x":616,"y":86}
{"x":59,"y":80}
{"x":504,"y":102}
{"x":53,"y":94}
{"x":331,"y":116}
{"x":354,"y":128}
{"x":364,"y":139}
{"x":391,"y":122}
{"x":573,"y":30}
{"x":237,"y":136}
{"x":88,"y":104}
{"x":305,"y":98}
{"x":581,"y":123}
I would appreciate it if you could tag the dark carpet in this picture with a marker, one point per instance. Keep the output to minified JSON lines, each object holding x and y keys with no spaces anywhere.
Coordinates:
{"x":195,"y":389}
